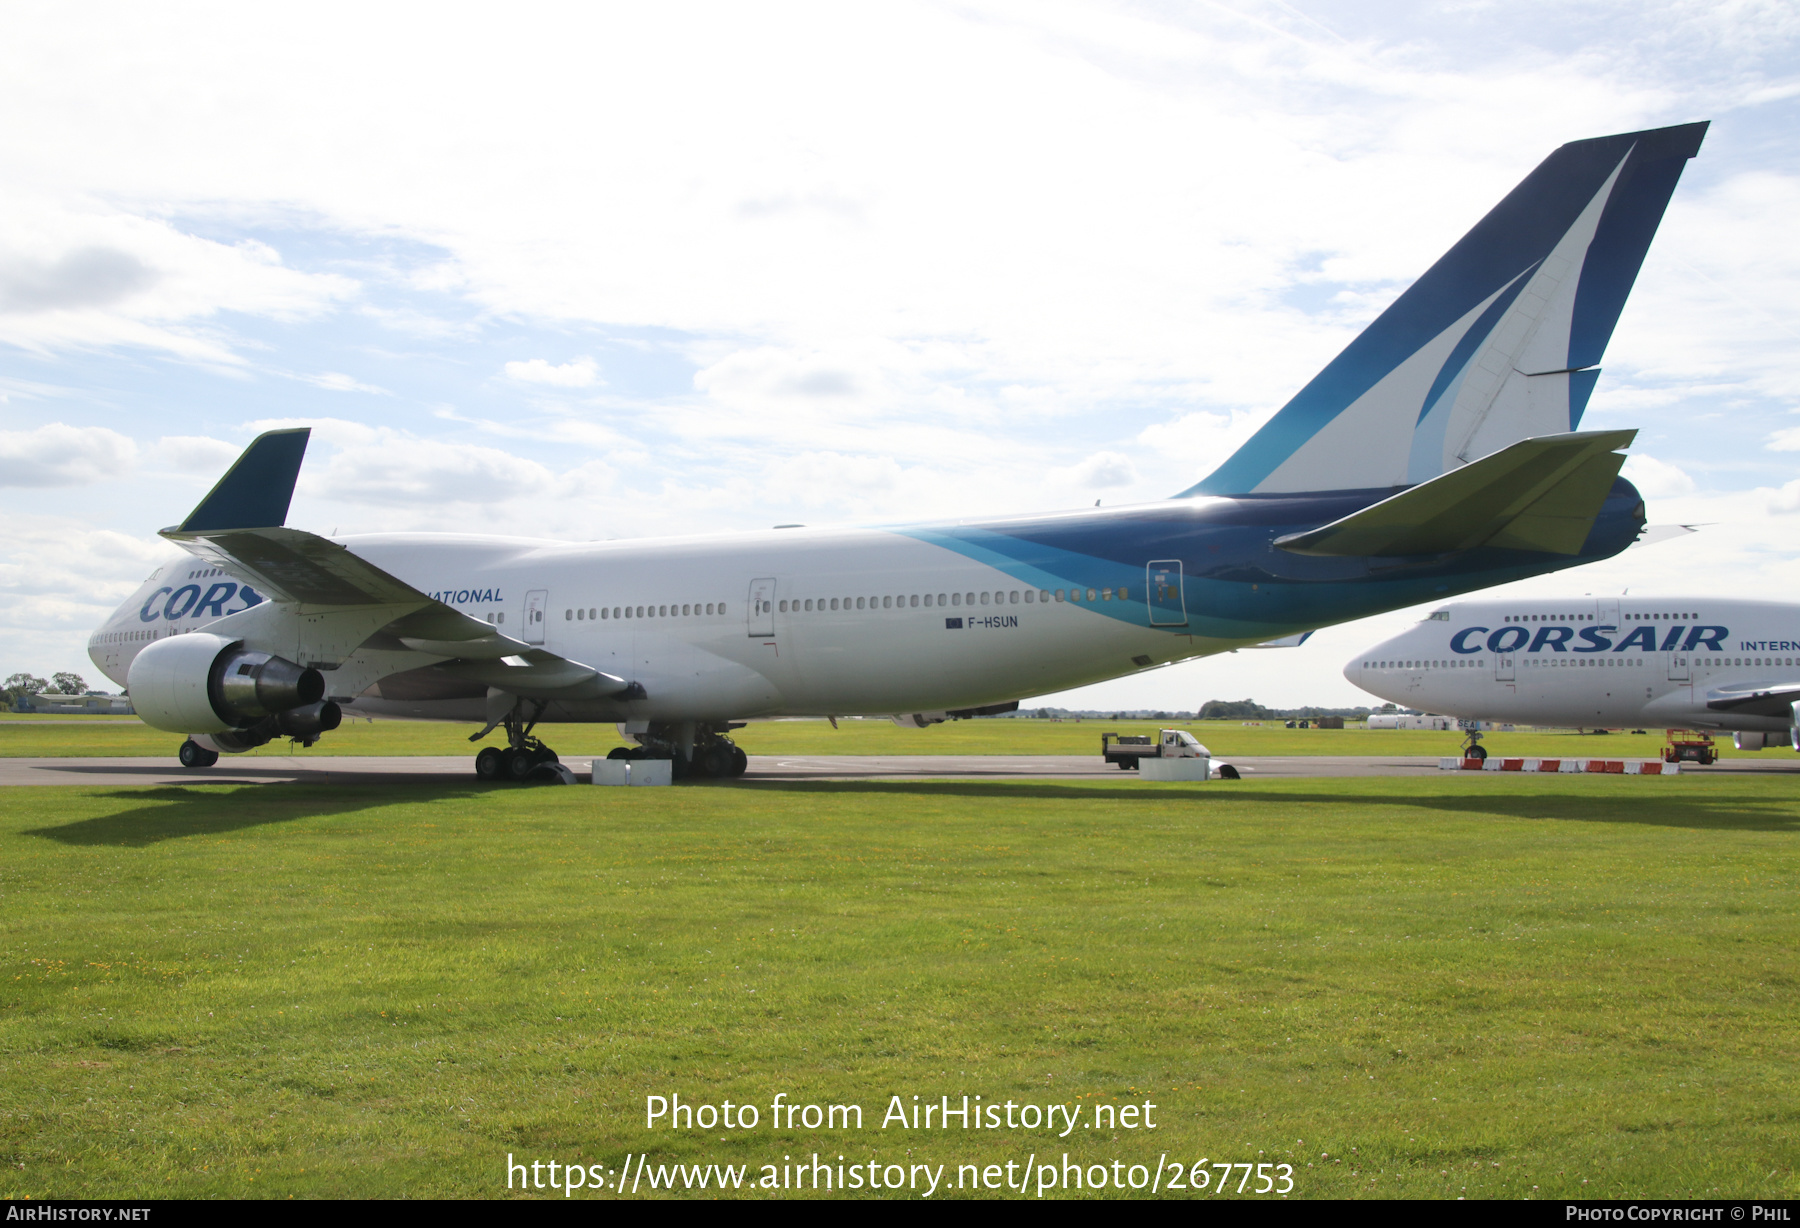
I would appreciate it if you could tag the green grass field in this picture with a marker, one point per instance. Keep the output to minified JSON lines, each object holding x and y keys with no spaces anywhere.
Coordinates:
{"x":86,"y":736}
{"x":1530,"y":987}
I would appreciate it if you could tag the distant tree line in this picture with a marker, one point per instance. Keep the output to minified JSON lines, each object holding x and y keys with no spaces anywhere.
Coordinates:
{"x":1211,"y":710}
{"x":1250,"y":710}
{"x":31,"y":684}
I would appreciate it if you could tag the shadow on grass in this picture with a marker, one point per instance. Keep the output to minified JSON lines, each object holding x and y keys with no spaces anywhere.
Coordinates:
{"x":178,"y":811}
{"x":1718,"y":809}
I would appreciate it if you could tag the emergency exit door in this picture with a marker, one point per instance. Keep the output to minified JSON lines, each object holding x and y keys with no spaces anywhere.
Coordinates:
{"x":536,"y":601}
{"x":761,"y":612}
{"x":1162,"y":589}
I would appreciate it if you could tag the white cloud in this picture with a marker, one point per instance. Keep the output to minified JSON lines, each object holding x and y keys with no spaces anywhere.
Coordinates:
{"x":337,"y":381}
{"x":76,"y":277}
{"x":63,"y":455}
{"x":59,"y":578}
{"x":195,"y":453}
{"x":1101,"y":471}
{"x":582,"y":373}
{"x":407,"y":471}
{"x":1786,"y":440}
{"x":1656,"y":479}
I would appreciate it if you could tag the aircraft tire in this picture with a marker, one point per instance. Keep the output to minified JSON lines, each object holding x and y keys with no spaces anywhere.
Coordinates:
{"x":519,"y":763}
{"x":716,"y":762}
{"x":619,"y":752}
{"x":490,"y":764}
{"x":1479,"y":753}
{"x":1227,"y":772}
{"x":739,"y":761}
{"x":194,"y":755}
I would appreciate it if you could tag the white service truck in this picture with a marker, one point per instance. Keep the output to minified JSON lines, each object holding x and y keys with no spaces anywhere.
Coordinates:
{"x":1160,"y":758}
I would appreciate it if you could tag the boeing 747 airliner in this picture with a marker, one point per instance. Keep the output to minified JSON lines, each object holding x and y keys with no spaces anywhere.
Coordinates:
{"x":1438,"y":454}
{"x":1705,"y":663}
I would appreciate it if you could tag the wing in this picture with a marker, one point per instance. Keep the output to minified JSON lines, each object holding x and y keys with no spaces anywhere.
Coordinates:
{"x":232,"y":528}
{"x":1776,"y":702}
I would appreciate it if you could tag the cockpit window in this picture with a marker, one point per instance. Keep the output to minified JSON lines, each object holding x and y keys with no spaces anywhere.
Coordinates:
{"x":1439,"y":616}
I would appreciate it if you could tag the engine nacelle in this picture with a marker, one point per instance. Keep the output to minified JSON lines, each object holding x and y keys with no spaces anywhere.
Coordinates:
{"x":205,"y":683}
{"x":1762,"y":741}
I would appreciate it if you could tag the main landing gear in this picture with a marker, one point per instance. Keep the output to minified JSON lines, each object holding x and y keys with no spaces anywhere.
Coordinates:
{"x":696,"y":750}
{"x":524,"y":758}
{"x":194,"y":755}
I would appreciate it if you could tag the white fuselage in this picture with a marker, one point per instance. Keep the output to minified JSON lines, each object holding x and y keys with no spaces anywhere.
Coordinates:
{"x":857,"y":621}
{"x":1587,"y":662}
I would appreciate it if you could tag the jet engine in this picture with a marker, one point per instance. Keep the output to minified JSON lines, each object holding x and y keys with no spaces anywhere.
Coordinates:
{"x":205,"y":684}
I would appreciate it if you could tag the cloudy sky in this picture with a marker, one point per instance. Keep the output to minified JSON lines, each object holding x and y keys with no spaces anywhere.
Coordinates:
{"x":596,"y":271}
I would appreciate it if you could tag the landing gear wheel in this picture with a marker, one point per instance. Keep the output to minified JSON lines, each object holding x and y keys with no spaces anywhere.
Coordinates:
{"x":715,"y":762}
{"x":1477,"y":753}
{"x":739,"y":761}
{"x":490,"y":764}
{"x":194,"y":755}
{"x":619,"y":752}
{"x":519,"y":762}
{"x":1227,"y":772}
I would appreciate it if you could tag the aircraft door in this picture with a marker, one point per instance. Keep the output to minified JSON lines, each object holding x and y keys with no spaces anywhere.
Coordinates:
{"x":1162,"y":589}
{"x":761,"y":608}
{"x":536,"y":601}
{"x":1503,"y":667}
{"x":1678,"y":667}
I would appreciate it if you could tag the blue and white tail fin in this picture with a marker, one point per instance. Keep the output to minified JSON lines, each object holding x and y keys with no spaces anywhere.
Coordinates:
{"x":1497,"y":342}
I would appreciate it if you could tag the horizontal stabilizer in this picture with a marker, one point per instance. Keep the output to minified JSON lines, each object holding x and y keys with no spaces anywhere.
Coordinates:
{"x":1539,"y":494}
{"x":1655,"y":533}
{"x":1286,"y":641}
{"x":255,"y":492}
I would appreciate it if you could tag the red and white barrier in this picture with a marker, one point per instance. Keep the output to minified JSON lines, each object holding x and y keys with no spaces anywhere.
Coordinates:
{"x":1615,"y":767}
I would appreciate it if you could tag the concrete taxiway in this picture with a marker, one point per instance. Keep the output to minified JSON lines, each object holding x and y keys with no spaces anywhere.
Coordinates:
{"x":376,"y":769}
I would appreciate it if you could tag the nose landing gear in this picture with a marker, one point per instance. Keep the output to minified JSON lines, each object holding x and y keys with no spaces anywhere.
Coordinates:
{"x":1472,"y":747}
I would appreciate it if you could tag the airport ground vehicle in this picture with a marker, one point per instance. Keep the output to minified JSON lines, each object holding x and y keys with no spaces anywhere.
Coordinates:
{"x":1127,"y":751}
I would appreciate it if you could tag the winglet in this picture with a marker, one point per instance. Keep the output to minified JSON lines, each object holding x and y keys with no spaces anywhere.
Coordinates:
{"x":255,"y":492}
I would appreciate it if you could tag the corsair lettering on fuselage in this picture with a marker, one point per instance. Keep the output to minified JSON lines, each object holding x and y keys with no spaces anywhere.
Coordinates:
{"x":175,"y":603}
{"x":1554,"y":638}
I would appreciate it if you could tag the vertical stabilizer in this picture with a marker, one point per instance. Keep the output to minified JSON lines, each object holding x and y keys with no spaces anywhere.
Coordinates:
{"x":1499,"y":341}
